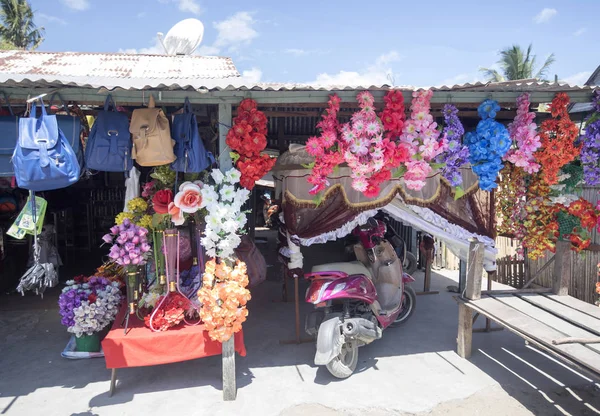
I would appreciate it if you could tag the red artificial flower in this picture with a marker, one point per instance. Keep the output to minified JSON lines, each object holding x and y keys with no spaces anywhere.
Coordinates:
{"x":372,"y":190}
{"x":92,"y":298}
{"x":248,"y":105}
{"x":79,"y":279}
{"x":161,"y":201}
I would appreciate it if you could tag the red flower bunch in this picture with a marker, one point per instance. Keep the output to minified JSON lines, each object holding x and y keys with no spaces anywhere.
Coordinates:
{"x":584,"y":210}
{"x":161,"y":201}
{"x":327,"y":149}
{"x":170,"y":313}
{"x":557,"y":135}
{"x":393,"y":116}
{"x":248,"y":138}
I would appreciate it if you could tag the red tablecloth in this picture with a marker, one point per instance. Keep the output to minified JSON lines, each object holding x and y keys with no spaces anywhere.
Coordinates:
{"x":142,"y":347}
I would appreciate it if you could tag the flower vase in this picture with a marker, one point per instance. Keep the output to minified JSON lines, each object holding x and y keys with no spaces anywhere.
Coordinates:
{"x":159,"y":257}
{"x":133,"y":293}
{"x":171,"y":252}
{"x":88,"y":343}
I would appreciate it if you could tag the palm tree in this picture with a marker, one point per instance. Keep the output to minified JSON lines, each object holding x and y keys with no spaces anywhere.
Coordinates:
{"x":17,"y":28}
{"x":516,"y":64}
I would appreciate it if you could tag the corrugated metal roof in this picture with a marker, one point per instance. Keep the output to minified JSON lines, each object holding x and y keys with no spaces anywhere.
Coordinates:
{"x":112,"y":70}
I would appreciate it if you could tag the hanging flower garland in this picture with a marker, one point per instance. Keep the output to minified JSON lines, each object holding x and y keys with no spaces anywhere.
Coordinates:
{"x":456,"y":154}
{"x":540,"y":222}
{"x":224,"y":297}
{"x":575,"y":222}
{"x":366,"y":148}
{"x":510,"y":203}
{"x":170,"y":313}
{"x":590,"y":151}
{"x":420,"y":135}
{"x":558,"y":136}
{"x":487,"y":145}
{"x":523,"y":133}
{"x":325,"y":148}
{"x":248,"y":138}
{"x":393,"y":116}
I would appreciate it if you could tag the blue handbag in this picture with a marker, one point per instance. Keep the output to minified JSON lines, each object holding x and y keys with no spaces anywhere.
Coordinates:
{"x":43,"y":159}
{"x":70,"y":125}
{"x":109,"y":146}
{"x":189,"y":148}
{"x":9,"y":133}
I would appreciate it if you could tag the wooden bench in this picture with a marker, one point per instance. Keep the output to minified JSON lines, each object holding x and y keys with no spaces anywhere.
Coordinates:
{"x":561,"y":325}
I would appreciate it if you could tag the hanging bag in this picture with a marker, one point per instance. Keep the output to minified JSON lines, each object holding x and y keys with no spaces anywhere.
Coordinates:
{"x":70,"y":125}
{"x":189,"y":148}
{"x":109,"y":145}
{"x":152,"y":143}
{"x":9,"y":133}
{"x":43,"y":159}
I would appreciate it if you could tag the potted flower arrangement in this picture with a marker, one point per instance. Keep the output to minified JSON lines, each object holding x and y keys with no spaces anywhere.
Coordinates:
{"x":87,"y":307}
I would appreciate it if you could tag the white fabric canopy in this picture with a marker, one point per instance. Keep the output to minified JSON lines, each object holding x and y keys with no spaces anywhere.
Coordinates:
{"x":454,"y":237}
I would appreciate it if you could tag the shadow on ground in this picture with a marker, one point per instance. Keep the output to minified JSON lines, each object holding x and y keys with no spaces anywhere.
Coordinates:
{"x":412,"y":368}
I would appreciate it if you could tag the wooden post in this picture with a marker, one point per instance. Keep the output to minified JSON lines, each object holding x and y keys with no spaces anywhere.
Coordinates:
{"x":428,"y":262}
{"x":562,"y":268}
{"x":225,"y":121}
{"x":465,"y":331}
{"x":281,"y":135}
{"x":474,"y":269}
{"x":228,"y":356}
{"x":462,"y":275}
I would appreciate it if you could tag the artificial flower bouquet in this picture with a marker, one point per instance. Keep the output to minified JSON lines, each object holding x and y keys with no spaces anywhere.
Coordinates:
{"x":88,"y":306}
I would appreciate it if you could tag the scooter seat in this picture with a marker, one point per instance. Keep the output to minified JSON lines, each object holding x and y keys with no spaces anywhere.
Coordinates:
{"x":350,"y":268}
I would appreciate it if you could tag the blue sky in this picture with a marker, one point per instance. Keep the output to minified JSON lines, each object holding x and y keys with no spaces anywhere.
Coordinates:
{"x":335,"y":41}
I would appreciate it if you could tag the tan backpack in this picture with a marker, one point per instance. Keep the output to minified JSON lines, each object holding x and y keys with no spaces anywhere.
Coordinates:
{"x":152,"y":143}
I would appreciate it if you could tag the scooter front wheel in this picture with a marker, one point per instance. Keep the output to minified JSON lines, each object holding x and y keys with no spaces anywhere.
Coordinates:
{"x":345,"y":363}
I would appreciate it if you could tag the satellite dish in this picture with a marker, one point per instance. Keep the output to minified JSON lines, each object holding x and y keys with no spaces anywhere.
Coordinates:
{"x":183,"y":38}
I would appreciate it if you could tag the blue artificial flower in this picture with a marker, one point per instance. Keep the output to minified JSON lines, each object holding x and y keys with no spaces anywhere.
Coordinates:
{"x":488,"y":109}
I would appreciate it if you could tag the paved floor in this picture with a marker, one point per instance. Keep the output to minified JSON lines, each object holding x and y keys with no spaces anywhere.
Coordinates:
{"x":412,"y":370}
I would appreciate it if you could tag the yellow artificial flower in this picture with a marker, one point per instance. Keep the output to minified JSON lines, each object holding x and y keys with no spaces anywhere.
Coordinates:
{"x":145,"y":221}
{"x":121,"y":216}
{"x":137,"y":205}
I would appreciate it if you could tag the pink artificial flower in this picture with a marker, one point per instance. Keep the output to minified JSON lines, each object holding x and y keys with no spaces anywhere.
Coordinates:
{"x":360,"y":147}
{"x":373,"y":128}
{"x":176,"y":214}
{"x":189,"y":198}
{"x":314,"y":147}
{"x":328,"y":139}
{"x":360,"y":184}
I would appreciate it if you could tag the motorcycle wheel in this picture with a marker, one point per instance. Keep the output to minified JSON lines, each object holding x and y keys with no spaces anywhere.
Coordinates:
{"x":345,"y":363}
{"x":408,"y":305}
{"x":410,"y":263}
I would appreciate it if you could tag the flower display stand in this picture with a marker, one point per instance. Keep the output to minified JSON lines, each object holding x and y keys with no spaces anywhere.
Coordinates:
{"x":141,"y":347}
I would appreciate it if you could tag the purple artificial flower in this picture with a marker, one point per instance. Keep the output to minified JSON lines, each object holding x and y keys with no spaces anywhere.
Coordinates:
{"x":135,"y":240}
{"x":130,"y":234}
{"x":107,"y":238}
{"x":126,"y":222}
{"x":114,"y":230}
{"x":135,"y":260}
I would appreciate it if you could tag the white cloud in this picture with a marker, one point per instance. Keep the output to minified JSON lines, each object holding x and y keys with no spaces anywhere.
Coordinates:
{"x":235,"y":31}
{"x":296,"y":52}
{"x":51,"y":19}
{"x":464,"y":78}
{"x":155,"y":49}
{"x":545,"y":15}
{"x":207,"y":50}
{"x":141,"y":15}
{"x":380,"y":72}
{"x":251,"y":76}
{"x":579,"y":78}
{"x":77,"y":4}
{"x":186,"y":6}
{"x":580,"y":32}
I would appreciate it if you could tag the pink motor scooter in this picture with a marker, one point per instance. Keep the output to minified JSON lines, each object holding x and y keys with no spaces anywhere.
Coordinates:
{"x":355,"y":301}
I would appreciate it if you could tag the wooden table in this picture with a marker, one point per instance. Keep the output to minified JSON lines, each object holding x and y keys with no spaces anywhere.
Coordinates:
{"x":141,"y":347}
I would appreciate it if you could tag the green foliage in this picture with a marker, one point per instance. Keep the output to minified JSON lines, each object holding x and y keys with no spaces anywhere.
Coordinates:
{"x":515,"y":63}
{"x":17,"y":29}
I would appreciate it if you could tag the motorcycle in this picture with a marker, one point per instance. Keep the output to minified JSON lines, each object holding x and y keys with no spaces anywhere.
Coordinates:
{"x":355,"y":301}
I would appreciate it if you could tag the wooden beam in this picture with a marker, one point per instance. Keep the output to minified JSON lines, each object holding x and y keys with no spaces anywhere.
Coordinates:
{"x":539,"y":272}
{"x":228,"y":356}
{"x":516,"y":291}
{"x":562,"y":268}
{"x":474,"y":269}
{"x":225,"y":121}
{"x":465,"y":331}
{"x":573,"y":340}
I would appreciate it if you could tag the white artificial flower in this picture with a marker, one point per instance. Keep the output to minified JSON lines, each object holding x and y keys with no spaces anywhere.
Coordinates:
{"x":211,"y":252}
{"x":233,"y":176}
{"x":217,"y":176}
{"x":241,"y":220}
{"x":227,"y":193}
{"x":209,"y":197}
{"x":230,"y":226}
{"x":70,"y":282}
{"x":211,"y":234}
{"x":214,"y":222}
{"x":207,"y":243}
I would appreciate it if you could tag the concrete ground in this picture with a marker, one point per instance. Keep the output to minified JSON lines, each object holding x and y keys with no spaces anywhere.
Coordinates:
{"x":413,"y":369}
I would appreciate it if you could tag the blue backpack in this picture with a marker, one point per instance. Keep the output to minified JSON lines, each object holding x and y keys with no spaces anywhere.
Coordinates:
{"x":43,"y":159}
{"x":189,"y":149}
{"x":9,"y":133}
{"x":109,"y":146}
{"x":70,"y":125}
